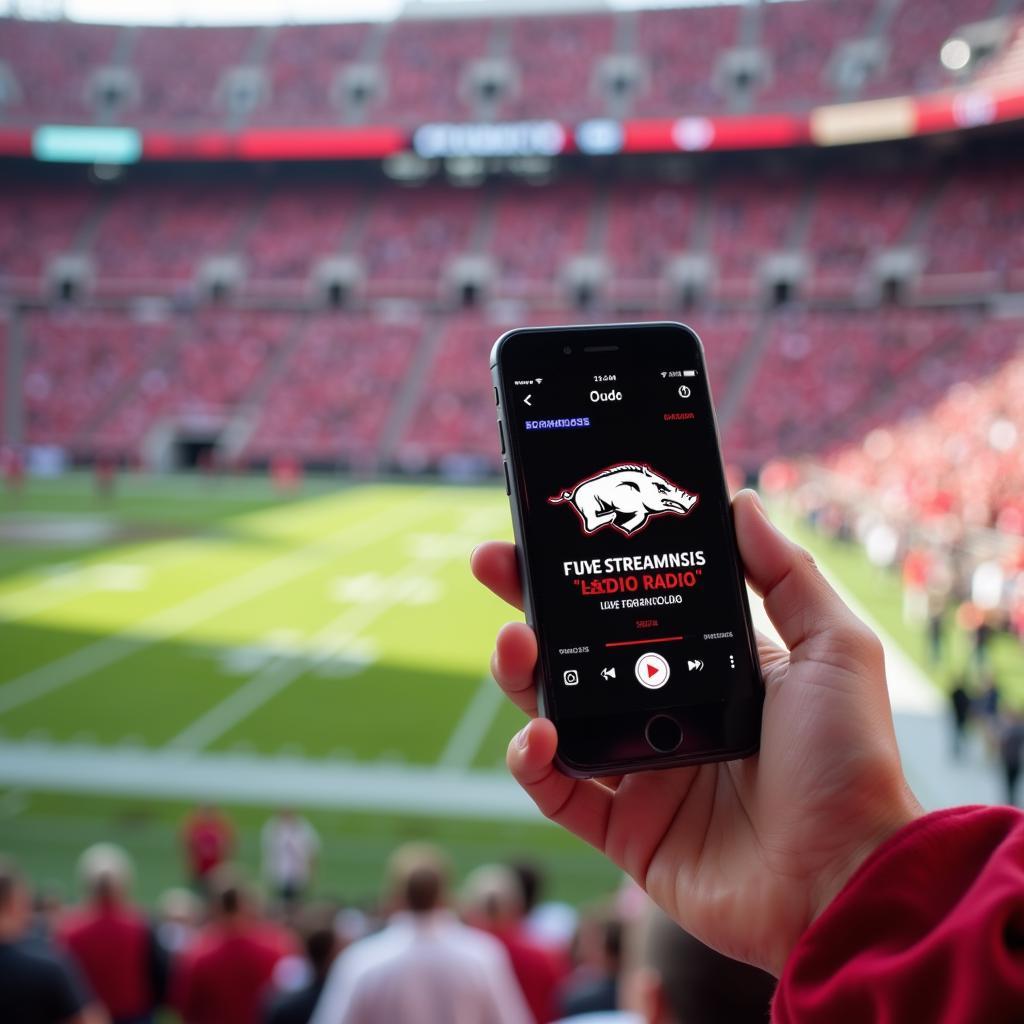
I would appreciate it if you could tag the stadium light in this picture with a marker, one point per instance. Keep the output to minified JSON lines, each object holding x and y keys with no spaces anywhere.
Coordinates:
{"x":955,"y":54}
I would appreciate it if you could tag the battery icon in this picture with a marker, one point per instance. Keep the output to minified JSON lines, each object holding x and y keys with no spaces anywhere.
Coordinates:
{"x":689,"y":373}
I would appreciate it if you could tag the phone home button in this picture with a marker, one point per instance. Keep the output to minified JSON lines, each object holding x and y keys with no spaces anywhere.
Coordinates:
{"x":663,"y":733}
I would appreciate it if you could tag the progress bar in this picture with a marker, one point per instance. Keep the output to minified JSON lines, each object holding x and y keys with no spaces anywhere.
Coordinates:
{"x":649,"y":640}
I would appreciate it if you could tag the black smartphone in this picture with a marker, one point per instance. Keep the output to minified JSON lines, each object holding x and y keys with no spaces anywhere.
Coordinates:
{"x":626,"y":546}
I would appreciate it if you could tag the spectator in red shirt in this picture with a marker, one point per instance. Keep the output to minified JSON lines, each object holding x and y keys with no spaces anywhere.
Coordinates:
{"x":223,"y":978}
{"x":812,"y":860}
{"x":208,"y":841}
{"x":492,"y":900}
{"x":112,"y":941}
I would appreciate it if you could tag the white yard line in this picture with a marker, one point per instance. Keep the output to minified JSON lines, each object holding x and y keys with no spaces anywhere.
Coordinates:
{"x":264,"y":781}
{"x":472,"y":728}
{"x":340,"y":633}
{"x":171,"y":622}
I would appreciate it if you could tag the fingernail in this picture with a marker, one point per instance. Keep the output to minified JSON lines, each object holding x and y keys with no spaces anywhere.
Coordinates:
{"x":758,"y":502}
{"x":472,"y":553}
{"x":520,"y":738}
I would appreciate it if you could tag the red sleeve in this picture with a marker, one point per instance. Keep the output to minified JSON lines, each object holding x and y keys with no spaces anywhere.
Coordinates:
{"x":930,"y":928}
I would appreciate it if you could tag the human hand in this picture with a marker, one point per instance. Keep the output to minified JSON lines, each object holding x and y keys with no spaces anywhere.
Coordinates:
{"x":744,"y":854}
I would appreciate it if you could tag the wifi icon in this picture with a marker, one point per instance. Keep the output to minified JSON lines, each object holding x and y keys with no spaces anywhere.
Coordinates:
{"x":539,"y":379}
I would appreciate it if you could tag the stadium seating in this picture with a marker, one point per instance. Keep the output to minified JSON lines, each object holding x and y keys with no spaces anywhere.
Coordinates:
{"x":852,"y":217}
{"x":51,"y":64}
{"x":410,"y":234}
{"x":422,"y":64}
{"x":213,"y":361}
{"x":556,"y":61}
{"x":913,"y":40}
{"x":302,"y":65}
{"x":680,"y":54}
{"x":77,"y":365}
{"x":647,"y":226}
{"x":977,"y":227}
{"x":534,"y":231}
{"x":748,"y":219}
{"x":961,"y":457}
{"x":826,"y":377}
{"x":159,"y":234}
{"x":37,"y":223}
{"x":802,"y":38}
{"x":295,"y":227}
{"x":180,"y":70}
{"x":331,"y":400}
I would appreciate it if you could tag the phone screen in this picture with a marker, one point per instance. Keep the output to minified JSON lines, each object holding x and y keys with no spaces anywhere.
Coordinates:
{"x":634,"y":581}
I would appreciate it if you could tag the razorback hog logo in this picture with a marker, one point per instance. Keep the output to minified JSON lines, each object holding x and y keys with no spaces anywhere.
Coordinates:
{"x":625,"y":497}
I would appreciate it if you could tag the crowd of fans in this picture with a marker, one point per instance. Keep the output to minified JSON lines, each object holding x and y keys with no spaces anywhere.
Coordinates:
{"x":939,"y":498}
{"x":224,"y":951}
{"x":423,"y":68}
{"x":155,"y":238}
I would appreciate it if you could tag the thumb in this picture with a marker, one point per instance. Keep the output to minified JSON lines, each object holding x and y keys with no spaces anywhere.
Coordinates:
{"x":801,"y":604}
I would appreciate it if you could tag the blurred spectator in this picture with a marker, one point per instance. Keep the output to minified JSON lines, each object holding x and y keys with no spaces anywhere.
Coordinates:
{"x":551,"y":923}
{"x":1011,"y":750}
{"x":290,"y":848}
{"x":671,"y":978}
{"x":492,"y":900}
{"x":111,"y":941}
{"x":960,"y":702}
{"x":208,"y":841}
{"x":594,"y":983}
{"x":12,"y":463}
{"x":180,"y":912}
{"x":425,"y":966}
{"x":322,"y":946}
{"x":223,"y":977}
{"x":36,"y":985}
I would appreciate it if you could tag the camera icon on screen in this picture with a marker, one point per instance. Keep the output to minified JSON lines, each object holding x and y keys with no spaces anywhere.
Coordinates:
{"x":570,"y":677}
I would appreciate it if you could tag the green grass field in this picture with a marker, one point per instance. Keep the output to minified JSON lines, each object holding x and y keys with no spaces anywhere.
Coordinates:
{"x":133,"y":623}
{"x":337,"y":629}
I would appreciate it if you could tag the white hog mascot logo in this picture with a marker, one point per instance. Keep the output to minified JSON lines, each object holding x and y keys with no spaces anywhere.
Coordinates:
{"x":625,"y":497}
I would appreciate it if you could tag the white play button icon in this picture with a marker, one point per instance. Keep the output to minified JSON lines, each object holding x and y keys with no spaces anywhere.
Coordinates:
{"x":652,"y":671}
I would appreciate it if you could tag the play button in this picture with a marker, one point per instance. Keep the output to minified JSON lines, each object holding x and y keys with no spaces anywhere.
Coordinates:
{"x":652,"y":671}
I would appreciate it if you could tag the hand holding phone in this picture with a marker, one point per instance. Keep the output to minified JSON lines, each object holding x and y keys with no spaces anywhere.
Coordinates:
{"x":626,"y":547}
{"x":744,"y":854}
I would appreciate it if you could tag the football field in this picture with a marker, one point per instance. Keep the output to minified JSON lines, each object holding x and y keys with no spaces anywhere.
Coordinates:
{"x":189,"y":639}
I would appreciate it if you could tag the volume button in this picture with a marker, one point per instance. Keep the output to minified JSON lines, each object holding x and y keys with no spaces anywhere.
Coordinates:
{"x":508,"y":485}
{"x":501,"y":437}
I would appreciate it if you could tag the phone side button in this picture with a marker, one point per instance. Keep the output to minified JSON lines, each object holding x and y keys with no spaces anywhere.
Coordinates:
{"x":501,"y":437}
{"x":663,"y":734}
{"x":508,"y":485}
{"x":497,"y":400}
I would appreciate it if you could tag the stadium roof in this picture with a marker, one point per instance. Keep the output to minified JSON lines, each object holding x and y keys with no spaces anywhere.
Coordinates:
{"x":248,"y":12}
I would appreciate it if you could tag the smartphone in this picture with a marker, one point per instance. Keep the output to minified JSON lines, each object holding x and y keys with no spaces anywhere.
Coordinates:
{"x":626,"y":546}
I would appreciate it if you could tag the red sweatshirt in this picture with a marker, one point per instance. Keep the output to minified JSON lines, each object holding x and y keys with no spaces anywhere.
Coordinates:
{"x":929,"y":929}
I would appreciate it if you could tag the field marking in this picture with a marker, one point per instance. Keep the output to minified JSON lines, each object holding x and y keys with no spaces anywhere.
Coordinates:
{"x":330,"y":640}
{"x":424,"y":790}
{"x":171,"y":622}
{"x":472,"y":728}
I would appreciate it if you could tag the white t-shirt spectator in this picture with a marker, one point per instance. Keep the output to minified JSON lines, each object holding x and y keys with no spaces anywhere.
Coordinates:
{"x":428,"y":968}
{"x":290,"y":846}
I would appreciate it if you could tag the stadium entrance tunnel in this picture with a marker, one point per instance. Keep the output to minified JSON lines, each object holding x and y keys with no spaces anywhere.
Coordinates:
{"x":194,"y":452}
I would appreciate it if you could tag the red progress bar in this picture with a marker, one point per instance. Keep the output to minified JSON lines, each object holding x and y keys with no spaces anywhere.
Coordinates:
{"x":650,"y":640}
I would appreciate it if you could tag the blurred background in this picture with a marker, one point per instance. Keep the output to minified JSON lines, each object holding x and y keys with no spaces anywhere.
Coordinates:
{"x":250,"y":274}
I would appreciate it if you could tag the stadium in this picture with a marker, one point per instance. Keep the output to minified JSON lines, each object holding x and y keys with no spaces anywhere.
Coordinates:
{"x":250,"y":275}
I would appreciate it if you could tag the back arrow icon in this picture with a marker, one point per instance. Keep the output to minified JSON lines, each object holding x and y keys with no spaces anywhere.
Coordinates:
{"x":526,"y":400}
